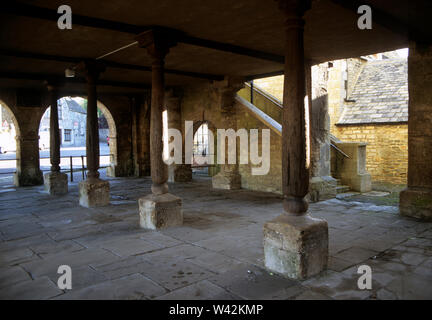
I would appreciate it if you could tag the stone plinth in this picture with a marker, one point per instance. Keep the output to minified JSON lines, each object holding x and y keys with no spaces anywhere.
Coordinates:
{"x":56,"y":183}
{"x":227,"y":180}
{"x":296,"y":246}
{"x":28,"y":177}
{"x":94,"y":192}
{"x":160,"y":211}
{"x":416,"y":203}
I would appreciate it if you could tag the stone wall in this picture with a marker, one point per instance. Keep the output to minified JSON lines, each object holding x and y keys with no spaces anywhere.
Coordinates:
{"x":272,"y":85}
{"x":200,"y":103}
{"x":386,"y":151}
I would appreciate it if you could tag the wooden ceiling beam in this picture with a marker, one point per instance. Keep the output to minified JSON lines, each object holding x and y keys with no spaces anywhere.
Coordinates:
{"x":112,"y":64}
{"x":25,"y":10}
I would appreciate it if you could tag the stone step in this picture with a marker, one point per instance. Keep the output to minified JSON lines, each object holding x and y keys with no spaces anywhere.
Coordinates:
{"x":342,"y":189}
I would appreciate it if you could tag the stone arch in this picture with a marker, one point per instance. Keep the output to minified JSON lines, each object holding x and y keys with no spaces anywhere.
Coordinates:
{"x":112,"y":128}
{"x":212,"y":170}
{"x":14,"y":118}
{"x":112,"y":136}
{"x":17,"y":132}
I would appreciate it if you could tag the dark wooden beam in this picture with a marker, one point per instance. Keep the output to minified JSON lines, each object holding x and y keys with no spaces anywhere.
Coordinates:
{"x":264,"y":75}
{"x":56,"y":77}
{"x":231,"y":48}
{"x":26,"y":10}
{"x":112,"y":64}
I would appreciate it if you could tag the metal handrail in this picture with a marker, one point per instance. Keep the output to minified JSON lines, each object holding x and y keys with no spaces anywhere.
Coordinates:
{"x":71,"y":170}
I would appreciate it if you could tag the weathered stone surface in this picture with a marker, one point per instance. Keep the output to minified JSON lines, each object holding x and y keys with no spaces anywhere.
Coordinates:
{"x":41,"y":288}
{"x":416,"y":203}
{"x":217,"y":245}
{"x":251,"y":282}
{"x":296,"y":246}
{"x":93,"y":192}
{"x":227,"y":180}
{"x":322,"y":188}
{"x":133,"y":287}
{"x":160,"y":211}
{"x":203,"y":290}
{"x":56,"y":183}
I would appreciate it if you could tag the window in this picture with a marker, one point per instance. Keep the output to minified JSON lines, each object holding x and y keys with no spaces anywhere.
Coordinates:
{"x":67,"y":135}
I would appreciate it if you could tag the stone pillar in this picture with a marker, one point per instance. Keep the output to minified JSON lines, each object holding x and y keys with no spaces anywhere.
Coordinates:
{"x":56,"y":183}
{"x":321,"y":185}
{"x":28,"y":169}
{"x":416,"y":199}
{"x":177,"y":172}
{"x":141,"y":136}
{"x":295,"y":244}
{"x":93,"y":192}
{"x":228,"y":177}
{"x":159,"y":209}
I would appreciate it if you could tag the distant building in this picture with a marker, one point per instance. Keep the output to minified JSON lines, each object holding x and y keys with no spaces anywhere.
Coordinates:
{"x":372,"y":107}
{"x":72,"y":124}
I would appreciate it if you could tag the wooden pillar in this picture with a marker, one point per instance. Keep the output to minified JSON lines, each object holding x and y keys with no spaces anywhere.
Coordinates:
{"x":295,"y":157}
{"x":93,"y":192}
{"x":159,"y":170}
{"x":295,"y":244}
{"x":56,"y":183}
{"x":92,"y":70}
{"x":160,"y":209}
{"x":54,"y":129}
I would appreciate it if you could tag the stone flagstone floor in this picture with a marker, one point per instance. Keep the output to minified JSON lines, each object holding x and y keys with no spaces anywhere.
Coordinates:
{"x":216,"y":254}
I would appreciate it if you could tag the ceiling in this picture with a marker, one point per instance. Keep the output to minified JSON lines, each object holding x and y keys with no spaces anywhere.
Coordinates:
{"x":330,"y":33}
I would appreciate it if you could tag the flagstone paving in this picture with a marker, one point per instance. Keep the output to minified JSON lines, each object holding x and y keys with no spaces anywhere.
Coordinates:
{"x":216,"y":254}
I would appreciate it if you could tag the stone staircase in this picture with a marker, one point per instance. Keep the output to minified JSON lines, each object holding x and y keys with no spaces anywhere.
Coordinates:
{"x":340,"y":188}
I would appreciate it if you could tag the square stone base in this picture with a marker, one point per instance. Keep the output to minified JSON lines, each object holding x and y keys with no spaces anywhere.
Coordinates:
{"x":94,"y":192}
{"x":416,"y":203}
{"x":296,"y":246}
{"x":160,"y":211}
{"x":56,"y":183}
{"x":227,"y":181}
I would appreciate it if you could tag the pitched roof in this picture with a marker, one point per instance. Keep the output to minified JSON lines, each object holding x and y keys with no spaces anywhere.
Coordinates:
{"x":380,"y":94}
{"x":74,"y":106}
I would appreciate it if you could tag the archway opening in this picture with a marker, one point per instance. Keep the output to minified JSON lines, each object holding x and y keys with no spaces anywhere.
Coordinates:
{"x":204,"y":148}
{"x":9,"y":130}
{"x":72,"y":113}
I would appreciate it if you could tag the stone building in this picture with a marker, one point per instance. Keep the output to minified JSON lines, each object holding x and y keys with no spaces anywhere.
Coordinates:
{"x":375,"y":111}
{"x":191,"y":61}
